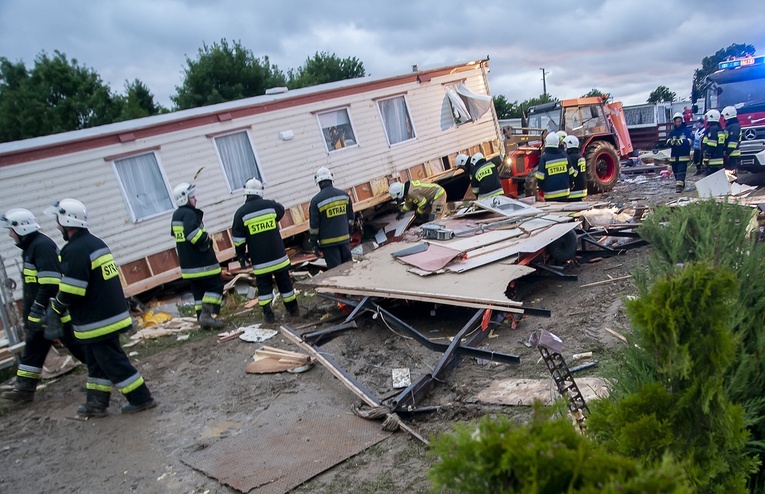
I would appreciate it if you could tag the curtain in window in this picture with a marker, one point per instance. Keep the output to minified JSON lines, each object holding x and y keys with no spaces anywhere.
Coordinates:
{"x":396,"y":119}
{"x":477,"y":104}
{"x":238,"y":159}
{"x":144,"y":185}
{"x":461,"y":113}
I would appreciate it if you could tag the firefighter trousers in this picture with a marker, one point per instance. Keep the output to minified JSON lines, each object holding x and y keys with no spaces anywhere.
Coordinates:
{"x":265,"y":283}
{"x":679,"y":169}
{"x":37,"y":347}
{"x":207,"y":290}
{"x":109,"y":365}
{"x":337,"y":254}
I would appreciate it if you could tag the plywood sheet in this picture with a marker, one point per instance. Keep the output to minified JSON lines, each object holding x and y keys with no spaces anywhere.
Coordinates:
{"x":477,"y":240}
{"x":523,"y":392}
{"x":435,"y":257}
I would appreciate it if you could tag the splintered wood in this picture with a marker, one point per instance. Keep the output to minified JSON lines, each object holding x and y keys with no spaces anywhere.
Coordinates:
{"x":268,"y":360}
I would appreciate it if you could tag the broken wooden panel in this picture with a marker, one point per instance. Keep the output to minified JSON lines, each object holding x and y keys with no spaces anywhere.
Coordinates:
{"x":136,"y":271}
{"x":163,"y":261}
{"x":379,"y":186}
{"x":222,"y":241}
{"x":363,"y":191}
{"x":524,"y":392}
{"x":417,"y":172}
{"x":286,"y":221}
{"x":296,"y":213}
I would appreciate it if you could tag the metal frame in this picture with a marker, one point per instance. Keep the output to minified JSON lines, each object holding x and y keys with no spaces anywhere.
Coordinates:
{"x":587,"y":238}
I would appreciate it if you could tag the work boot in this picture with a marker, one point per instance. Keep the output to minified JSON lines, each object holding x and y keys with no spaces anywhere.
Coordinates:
{"x":206,"y":320}
{"x":95,"y":405}
{"x":679,"y":188}
{"x":292,"y":308}
{"x":268,"y":314}
{"x":23,"y":390}
{"x":130,"y":408}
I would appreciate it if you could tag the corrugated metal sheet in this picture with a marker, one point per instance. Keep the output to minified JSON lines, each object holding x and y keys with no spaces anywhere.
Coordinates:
{"x":287,"y":166}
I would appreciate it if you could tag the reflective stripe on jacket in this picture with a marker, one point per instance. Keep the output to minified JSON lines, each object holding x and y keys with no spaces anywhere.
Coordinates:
{"x":552,"y":173}
{"x":331,"y":214}
{"x":195,"y":253}
{"x":578,"y":174}
{"x":484,"y":179}
{"x":257,"y":236}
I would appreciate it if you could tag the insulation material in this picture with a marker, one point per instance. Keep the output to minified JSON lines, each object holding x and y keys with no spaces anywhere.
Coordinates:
{"x":714,"y":185}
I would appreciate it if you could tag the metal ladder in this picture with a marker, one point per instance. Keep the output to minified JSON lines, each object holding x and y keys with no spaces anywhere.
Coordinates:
{"x":566,"y":385}
{"x":9,"y":314}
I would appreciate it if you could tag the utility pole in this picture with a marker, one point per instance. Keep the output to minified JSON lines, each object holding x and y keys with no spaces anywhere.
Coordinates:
{"x":544,"y":82}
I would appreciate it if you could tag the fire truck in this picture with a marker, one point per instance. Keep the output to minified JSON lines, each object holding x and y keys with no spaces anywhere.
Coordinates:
{"x":741,"y":83}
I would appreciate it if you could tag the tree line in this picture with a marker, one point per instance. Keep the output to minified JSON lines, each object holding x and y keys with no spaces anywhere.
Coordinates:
{"x":513,"y":109}
{"x":58,"y":94}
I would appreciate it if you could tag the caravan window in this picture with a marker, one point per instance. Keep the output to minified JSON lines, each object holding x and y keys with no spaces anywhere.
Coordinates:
{"x":238,"y":159}
{"x":337,"y":129}
{"x":143,"y":186}
{"x":396,"y":120}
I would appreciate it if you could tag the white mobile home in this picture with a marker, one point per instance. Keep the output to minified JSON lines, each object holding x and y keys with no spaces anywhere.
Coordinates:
{"x":368,"y":131}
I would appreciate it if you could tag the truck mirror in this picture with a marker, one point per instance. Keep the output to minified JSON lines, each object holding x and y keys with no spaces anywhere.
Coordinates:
{"x":695,"y":108}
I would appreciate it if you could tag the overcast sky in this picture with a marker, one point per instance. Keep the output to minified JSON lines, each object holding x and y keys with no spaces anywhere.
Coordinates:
{"x":625,"y":47}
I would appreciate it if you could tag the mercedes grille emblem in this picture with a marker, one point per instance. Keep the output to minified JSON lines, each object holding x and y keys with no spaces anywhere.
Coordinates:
{"x":750,"y":134}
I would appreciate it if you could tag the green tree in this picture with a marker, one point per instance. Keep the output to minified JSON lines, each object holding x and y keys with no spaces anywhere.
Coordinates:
{"x":709,"y":65}
{"x":595,"y":92}
{"x":56,"y":95}
{"x":661,"y":94}
{"x":324,"y":67}
{"x":225,"y":72}
{"x":138,"y":102}
{"x":505,"y":108}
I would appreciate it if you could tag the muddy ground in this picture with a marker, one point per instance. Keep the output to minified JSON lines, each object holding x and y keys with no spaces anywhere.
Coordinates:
{"x":205,"y":396}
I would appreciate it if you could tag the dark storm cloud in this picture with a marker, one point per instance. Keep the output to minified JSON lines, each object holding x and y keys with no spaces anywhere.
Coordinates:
{"x":623,"y":47}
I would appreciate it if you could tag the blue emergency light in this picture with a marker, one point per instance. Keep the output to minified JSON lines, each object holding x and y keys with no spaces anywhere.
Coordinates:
{"x":740,"y":62}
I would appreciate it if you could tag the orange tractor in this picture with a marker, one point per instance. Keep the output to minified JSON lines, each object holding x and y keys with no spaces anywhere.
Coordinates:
{"x":600,"y":127}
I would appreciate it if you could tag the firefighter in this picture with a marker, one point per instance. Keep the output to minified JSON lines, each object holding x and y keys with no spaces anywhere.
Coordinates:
{"x":257,"y":240}
{"x":733,"y":134}
{"x":331,"y":217}
{"x":199,"y":264}
{"x":698,"y":136}
{"x":90,"y":294}
{"x":484,"y":177}
{"x":577,"y":168}
{"x":713,"y":143}
{"x":41,"y":276}
{"x":427,"y":200}
{"x":562,"y":138}
{"x":552,"y":172}
{"x":680,"y":140}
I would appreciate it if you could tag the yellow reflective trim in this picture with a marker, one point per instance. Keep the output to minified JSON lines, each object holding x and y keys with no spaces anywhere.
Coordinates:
{"x":178,"y":234}
{"x":31,"y":318}
{"x":74,"y":290}
{"x":94,"y":333}
{"x":30,"y":279}
{"x":260,"y":224}
{"x":28,"y":375}
{"x":67,"y":318}
{"x":197,"y":236}
{"x":201,"y":274}
{"x":98,"y":261}
{"x":132,"y":386}
{"x":577,"y":194}
{"x":271,"y":269}
{"x":240,"y":242}
{"x":341,"y":238}
{"x":30,"y":272}
{"x":557,"y":195}
{"x":290,"y":298}
{"x":48,"y":281}
{"x":99,"y":387}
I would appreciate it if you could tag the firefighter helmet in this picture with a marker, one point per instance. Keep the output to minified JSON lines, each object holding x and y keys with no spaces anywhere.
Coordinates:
{"x":677,"y":115}
{"x":462,"y":160}
{"x":552,"y":141}
{"x":729,"y":112}
{"x":713,"y":116}
{"x":561,"y":135}
{"x":323,"y":174}
{"x":182,"y":192}
{"x":69,"y":212}
{"x":21,"y":221}
{"x":396,"y":191}
{"x":253,"y":187}
{"x":476,"y":158}
{"x":571,"y":142}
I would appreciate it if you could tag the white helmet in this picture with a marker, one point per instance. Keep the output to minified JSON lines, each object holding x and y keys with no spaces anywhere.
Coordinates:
{"x":476,"y":158}
{"x":571,"y":142}
{"x":323,"y":174}
{"x":182,"y":192}
{"x":552,"y":140}
{"x":712,"y":116}
{"x":21,"y":221}
{"x":462,"y":160}
{"x":70,"y":212}
{"x":254,"y":187}
{"x":396,"y":191}
{"x":677,"y":115}
{"x":561,"y":135}
{"x":729,"y":112}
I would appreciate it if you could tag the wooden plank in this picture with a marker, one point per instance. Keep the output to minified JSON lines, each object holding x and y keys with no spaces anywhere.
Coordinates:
{"x":163,"y":261}
{"x":136,"y":271}
{"x":606,"y":281}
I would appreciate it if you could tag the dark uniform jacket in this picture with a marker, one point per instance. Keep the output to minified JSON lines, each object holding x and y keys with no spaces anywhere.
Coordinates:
{"x":256,"y":232}
{"x":195,"y":253}
{"x":553,"y":173}
{"x":90,"y":286}
{"x":733,"y":133}
{"x":713,"y":144}
{"x":680,"y":139}
{"x":331,"y":214}
{"x":577,"y":168}
{"x":42,"y":270}
{"x":484,"y":179}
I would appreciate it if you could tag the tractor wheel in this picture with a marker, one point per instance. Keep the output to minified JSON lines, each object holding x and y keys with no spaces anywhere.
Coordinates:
{"x":530,"y":185}
{"x":603,"y":167}
{"x":564,"y":248}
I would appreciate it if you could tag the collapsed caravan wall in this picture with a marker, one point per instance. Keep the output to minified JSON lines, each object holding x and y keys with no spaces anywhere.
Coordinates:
{"x":284,"y":134}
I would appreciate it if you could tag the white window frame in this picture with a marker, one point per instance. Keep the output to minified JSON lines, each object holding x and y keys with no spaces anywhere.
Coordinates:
{"x":124,"y":193}
{"x":408,"y":112}
{"x":350,"y":121}
{"x":223,"y":166}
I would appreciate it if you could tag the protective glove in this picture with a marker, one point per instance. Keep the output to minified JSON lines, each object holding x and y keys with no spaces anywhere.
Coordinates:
{"x":57,"y":315}
{"x":242,"y":259}
{"x":400,"y":215}
{"x":314,"y":241}
{"x":36,"y":318}
{"x":205,"y":244}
